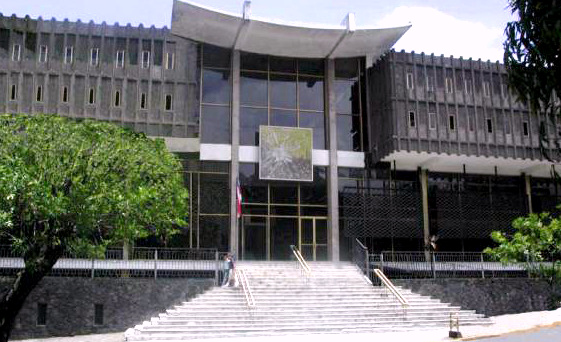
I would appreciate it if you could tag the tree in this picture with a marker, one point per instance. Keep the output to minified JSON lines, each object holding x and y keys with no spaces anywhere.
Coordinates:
{"x":536,"y":242}
{"x":532,"y":56}
{"x":78,"y":187}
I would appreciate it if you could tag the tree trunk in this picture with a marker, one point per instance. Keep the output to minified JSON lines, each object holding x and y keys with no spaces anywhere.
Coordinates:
{"x":12,"y":299}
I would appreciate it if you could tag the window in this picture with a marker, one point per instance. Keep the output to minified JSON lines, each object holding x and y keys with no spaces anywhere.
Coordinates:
{"x":432,"y":121}
{"x":143,"y":101}
{"x":145,"y":59}
{"x":170,"y":60}
{"x":13,"y":92}
{"x":489,"y":126}
{"x":411,"y":119}
{"x":486,"y":89}
{"x":120,"y":59}
{"x":452,"y":122}
{"x":525,"y":130}
{"x":91,"y":96}
{"x":42,"y":53}
{"x":39,"y":94}
{"x":504,"y":90}
{"x":68,"y":54}
{"x":98,"y":314}
{"x":507,"y":126}
{"x":467,"y":86}
{"x":409,"y":80}
{"x":471,"y":122}
{"x":430,"y":84}
{"x":16,"y":52}
{"x":94,"y":56}
{"x":41,"y":314}
{"x":449,"y":85}
{"x":117,"y":98}
{"x":169,"y":102}
{"x":65,"y":94}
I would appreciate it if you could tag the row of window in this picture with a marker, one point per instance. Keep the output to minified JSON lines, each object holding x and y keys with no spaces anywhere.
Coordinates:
{"x":42,"y":314}
{"x":169,"y":57}
{"x":449,"y":86}
{"x":91,"y":97}
{"x":452,"y":124}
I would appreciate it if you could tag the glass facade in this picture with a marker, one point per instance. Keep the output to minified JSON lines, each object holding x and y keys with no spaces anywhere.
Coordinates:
{"x":279,"y":214}
{"x":349,"y":92}
{"x":281,"y":92}
{"x":216,"y":90}
{"x":209,"y":202}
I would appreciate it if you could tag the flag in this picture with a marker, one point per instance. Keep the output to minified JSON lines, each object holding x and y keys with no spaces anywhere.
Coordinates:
{"x":238,"y":198}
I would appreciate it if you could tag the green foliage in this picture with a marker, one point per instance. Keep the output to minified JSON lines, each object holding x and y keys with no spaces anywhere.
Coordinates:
{"x":532,"y":56}
{"x":537,"y":238}
{"x":84,"y":185}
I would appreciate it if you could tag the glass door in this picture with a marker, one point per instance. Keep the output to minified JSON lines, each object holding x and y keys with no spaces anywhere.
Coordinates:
{"x":313,"y":238}
{"x":254,"y":238}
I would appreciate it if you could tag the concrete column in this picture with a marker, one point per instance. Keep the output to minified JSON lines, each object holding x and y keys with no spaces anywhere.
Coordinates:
{"x":528,"y":192}
{"x":234,"y":166}
{"x":424,"y":180}
{"x":332,"y":180}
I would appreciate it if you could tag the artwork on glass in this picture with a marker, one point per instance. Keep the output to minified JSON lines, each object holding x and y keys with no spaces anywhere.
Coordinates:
{"x":285,"y":153}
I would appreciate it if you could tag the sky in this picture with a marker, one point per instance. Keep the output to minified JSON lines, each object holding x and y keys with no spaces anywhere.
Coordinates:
{"x":467,"y":28}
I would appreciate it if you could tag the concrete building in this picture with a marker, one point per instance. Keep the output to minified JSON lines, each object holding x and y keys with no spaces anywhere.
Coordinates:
{"x":403,"y":146}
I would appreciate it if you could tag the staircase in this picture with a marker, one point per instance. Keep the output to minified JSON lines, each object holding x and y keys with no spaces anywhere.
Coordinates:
{"x":335,"y":299}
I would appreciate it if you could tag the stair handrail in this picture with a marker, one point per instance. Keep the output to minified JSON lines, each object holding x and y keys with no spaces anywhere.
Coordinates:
{"x":241,"y":278}
{"x":390,"y":286}
{"x":304,"y":267}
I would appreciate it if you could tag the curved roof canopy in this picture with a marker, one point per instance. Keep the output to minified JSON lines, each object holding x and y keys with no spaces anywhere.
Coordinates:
{"x":241,"y":33}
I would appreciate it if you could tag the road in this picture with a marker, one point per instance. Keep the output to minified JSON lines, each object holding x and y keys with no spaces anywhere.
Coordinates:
{"x":540,"y":335}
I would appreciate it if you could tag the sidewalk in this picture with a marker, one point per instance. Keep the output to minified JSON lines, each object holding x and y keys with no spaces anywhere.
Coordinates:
{"x":501,"y":325}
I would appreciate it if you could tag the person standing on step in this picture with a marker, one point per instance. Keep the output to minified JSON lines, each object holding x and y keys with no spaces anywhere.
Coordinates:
{"x":227,"y":266}
{"x":232,"y":281}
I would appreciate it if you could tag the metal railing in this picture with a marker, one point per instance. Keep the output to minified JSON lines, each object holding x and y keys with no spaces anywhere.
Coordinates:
{"x":302,"y":264}
{"x":408,"y":265}
{"x":361,"y":258}
{"x":143,"y":262}
{"x":391,"y":287}
{"x":241,"y":278}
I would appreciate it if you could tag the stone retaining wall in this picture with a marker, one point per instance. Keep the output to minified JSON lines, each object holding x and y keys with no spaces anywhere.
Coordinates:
{"x":126,"y":302}
{"x":491,"y":297}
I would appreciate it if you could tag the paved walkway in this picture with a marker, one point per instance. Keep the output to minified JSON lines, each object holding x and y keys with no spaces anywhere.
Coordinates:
{"x":506,"y":324}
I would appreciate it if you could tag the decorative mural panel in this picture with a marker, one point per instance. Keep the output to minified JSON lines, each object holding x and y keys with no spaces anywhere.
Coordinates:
{"x":285,"y":153}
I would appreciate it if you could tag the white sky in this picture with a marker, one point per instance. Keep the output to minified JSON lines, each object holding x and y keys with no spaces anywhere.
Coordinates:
{"x":468,"y":28}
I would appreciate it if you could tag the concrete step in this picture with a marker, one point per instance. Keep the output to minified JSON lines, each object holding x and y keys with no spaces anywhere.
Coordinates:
{"x":322,"y":318}
{"x":334,"y":299}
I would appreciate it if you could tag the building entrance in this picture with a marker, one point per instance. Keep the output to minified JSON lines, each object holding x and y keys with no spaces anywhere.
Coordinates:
{"x":269,"y":238}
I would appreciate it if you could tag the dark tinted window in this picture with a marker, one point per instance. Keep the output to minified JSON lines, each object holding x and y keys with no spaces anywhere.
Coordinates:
{"x":346,"y":94}
{"x":216,"y":86}
{"x":215,"y":125}
{"x":315,"y":121}
{"x":253,"y":89}
{"x":250,"y":120}
{"x":251,"y":61}
{"x":311,"y":93}
{"x":283,"y":91}
{"x":311,"y":67}
{"x":286,"y":118}
{"x":214,"y":56}
{"x":280,"y":64}
{"x":346,"y":68}
{"x":348,"y":132}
